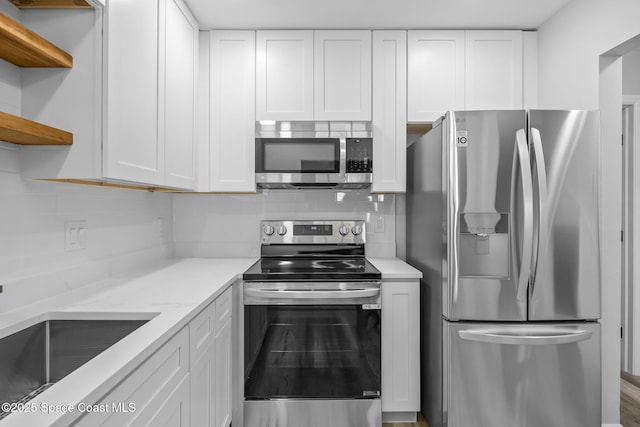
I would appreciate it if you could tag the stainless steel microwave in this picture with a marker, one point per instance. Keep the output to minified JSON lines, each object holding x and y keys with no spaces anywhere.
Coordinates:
{"x":314,"y":155}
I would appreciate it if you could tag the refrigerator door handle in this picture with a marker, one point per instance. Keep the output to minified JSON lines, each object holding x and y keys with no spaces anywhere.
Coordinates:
{"x":543,"y":203}
{"x":527,"y":236}
{"x":533,"y":336}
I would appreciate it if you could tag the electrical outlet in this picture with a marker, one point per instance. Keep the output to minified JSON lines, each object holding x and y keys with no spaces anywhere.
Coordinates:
{"x":379,"y":224}
{"x":75,"y":233}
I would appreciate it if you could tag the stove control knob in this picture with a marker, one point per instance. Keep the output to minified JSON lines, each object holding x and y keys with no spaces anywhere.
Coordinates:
{"x":356,"y":230}
{"x":282,"y":230}
{"x":268,"y":230}
{"x":344,"y":230}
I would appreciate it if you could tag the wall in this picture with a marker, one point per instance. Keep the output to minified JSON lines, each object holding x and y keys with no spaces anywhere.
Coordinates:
{"x":570,"y":70}
{"x":124,"y":228}
{"x":9,"y":74}
{"x":631,"y":73}
{"x":229,"y":225}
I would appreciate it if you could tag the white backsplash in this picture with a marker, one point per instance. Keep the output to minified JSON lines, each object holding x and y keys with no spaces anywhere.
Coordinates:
{"x":212,"y":225}
{"x":123,"y":228}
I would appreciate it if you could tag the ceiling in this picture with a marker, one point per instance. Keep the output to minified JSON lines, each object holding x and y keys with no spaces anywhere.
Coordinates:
{"x":373,"y":14}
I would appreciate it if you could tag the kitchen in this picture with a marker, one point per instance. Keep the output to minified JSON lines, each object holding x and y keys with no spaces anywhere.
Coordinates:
{"x":120,"y":229}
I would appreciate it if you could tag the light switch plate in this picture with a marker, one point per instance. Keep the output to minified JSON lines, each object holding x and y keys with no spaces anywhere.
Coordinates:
{"x":75,"y":235}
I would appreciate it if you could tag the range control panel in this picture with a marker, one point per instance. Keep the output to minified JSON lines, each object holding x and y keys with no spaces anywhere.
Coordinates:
{"x":312,"y":232}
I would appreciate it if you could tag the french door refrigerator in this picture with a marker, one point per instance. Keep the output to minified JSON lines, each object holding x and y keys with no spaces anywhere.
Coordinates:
{"x":502,"y":219}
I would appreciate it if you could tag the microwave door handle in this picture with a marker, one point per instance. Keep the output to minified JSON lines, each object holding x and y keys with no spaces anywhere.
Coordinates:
{"x":312,"y":293}
{"x":521,"y":156}
{"x":543,"y":204}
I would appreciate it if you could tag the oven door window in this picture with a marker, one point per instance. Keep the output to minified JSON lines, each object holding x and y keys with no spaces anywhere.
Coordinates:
{"x":298,"y":155}
{"x":321,"y":351}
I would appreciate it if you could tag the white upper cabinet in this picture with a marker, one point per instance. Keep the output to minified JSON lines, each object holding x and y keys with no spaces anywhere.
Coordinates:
{"x":133,"y":152}
{"x":284,"y":75}
{"x":342,"y":80}
{"x":493,"y":70}
{"x":389,"y":111}
{"x":436,"y":74}
{"x":313,"y":75}
{"x":466,"y":70}
{"x":232,"y":111}
{"x":180,"y":77}
{"x":151,"y":64}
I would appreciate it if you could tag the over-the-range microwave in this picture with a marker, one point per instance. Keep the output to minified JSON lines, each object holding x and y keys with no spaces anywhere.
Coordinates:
{"x":314,"y":154}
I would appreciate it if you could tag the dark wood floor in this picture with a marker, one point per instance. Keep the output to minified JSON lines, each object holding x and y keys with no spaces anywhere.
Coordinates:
{"x":421,"y":423}
{"x":629,"y":400}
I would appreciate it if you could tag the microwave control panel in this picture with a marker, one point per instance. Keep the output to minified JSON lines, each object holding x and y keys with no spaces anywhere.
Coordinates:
{"x":359,"y":155}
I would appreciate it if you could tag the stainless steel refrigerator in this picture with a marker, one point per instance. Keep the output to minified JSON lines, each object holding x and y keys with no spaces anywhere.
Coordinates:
{"x":502,"y":217}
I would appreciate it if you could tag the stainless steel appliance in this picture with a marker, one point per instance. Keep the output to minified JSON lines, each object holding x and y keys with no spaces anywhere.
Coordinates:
{"x":502,"y":219}
{"x":314,"y":154}
{"x":311,"y":328}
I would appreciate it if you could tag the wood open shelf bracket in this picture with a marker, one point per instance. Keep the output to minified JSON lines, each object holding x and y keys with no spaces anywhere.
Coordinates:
{"x":26,"y":132}
{"x":24,"y":48}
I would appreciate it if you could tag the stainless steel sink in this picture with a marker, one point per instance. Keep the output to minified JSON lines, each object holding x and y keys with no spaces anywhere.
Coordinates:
{"x":36,"y":357}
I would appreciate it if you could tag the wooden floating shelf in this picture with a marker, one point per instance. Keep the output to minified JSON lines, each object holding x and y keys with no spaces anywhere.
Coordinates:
{"x":24,"y":48}
{"x":418,"y":128}
{"x":51,"y":4}
{"x":26,"y":132}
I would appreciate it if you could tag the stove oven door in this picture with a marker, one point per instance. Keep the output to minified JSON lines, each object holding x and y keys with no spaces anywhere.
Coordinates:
{"x":312,"y":352}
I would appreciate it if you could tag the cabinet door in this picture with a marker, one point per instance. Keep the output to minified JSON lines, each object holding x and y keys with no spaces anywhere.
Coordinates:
{"x":389,"y":110}
{"x":232,"y":126}
{"x":160,"y":381}
{"x":284,"y":75}
{"x":179,"y":76}
{"x":203,"y":384}
{"x":342,"y":75}
{"x":400,"y":346}
{"x":493,"y":70}
{"x":435,"y":74}
{"x":222,"y":384}
{"x":132,"y":148}
{"x":175,"y":411}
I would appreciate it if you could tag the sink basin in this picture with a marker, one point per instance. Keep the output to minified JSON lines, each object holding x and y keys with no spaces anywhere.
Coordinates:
{"x":36,"y":357}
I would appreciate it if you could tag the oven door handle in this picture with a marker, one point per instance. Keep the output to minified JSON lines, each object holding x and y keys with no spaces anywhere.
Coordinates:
{"x":313,"y":293}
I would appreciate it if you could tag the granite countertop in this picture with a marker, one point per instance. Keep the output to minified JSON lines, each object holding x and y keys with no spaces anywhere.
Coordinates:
{"x":170,"y":294}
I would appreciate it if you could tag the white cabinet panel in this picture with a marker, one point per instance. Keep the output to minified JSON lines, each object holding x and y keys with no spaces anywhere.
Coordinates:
{"x":175,"y":411}
{"x":284,"y":75}
{"x":180,"y":67}
{"x":400,"y":346}
{"x":151,"y":65}
{"x":210,"y":333}
{"x":529,"y":69}
{"x":232,"y":111}
{"x":150,"y":388}
{"x":203,"y":382}
{"x":389,"y":110}
{"x":133,"y":152}
{"x":436,"y":74}
{"x":493,"y":70}
{"x":342,"y":75}
{"x":222,"y":374}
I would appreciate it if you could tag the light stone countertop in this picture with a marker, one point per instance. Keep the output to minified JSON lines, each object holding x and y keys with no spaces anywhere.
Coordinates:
{"x":170,"y":293}
{"x":395,"y":269}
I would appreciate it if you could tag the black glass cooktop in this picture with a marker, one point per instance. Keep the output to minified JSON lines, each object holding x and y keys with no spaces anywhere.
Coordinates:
{"x":300,"y":268}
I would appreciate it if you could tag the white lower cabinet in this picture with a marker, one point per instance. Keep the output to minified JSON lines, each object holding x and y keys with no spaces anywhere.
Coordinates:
{"x":210,"y":335}
{"x":154,"y":394}
{"x":186,"y":382}
{"x":400,"y":350}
